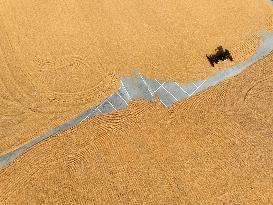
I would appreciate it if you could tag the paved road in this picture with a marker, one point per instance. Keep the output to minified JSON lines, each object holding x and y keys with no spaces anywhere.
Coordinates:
{"x":141,"y":87}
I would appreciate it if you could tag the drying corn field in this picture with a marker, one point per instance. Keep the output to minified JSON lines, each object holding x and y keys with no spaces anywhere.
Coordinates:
{"x":58,"y":59}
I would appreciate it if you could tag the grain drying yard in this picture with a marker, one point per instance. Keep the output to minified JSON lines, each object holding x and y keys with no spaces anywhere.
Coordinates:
{"x":172,"y":131}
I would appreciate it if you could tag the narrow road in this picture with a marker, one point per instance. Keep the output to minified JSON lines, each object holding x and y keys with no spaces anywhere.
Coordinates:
{"x":140,"y":87}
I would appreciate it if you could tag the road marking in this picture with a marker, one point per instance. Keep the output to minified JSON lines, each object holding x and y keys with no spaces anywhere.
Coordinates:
{"x":159,"y":86}
{"x":163,"y":103}
{"x":122,"y":98}
{"x":195,"y":85}
{"x":149,"y":88}
{"x":198,"y":87}
{"x":99,"y":108}
{"x":169,"y":93}
{"x":111,"y":105}
{"x":84,"y":118}
{"x":123,"y":86}
{"x":182,"y":89}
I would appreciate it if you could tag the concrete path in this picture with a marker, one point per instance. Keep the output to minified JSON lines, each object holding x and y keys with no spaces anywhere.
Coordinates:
{"x":141,"y":87}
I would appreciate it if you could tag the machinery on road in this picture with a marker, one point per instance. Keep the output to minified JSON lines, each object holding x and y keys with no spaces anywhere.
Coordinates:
{"x":220,"y":54}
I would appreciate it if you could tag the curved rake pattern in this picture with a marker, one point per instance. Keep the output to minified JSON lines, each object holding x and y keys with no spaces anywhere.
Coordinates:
{"x":140,"y":87}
